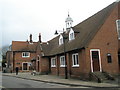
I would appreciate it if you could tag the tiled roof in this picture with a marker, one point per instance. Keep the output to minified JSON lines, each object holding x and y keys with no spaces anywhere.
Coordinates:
{"x":87,"y":30}
{"x":23,"y":46}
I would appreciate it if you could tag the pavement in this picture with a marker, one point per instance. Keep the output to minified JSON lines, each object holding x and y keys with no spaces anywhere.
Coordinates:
{"x":61,"y":80}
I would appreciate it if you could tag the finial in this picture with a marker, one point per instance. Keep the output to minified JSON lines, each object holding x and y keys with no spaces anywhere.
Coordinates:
{"x":39,"y":34}
{"x":68,"y":13}
{"x":40,"y":37}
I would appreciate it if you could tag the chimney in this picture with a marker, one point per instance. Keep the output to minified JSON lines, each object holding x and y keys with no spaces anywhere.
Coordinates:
{"x":40,"y":37}
{"x":30,"y":38}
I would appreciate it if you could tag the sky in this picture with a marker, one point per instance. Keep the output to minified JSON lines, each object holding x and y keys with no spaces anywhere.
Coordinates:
{"x":20,"y":18}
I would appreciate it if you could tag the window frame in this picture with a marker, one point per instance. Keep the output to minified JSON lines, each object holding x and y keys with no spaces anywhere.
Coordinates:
{"x":109,"y":58}
{"x":74,"y":60}
{"x":118,"y":29}
{"x":23,"y":54}
{"x":62,"y":64}
{"x":53,"y":63}
{"x":71,"y":35}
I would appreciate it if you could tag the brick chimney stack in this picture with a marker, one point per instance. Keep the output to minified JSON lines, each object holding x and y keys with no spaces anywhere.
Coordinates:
{"x":40,"y":37}
{"x":31,"y":38}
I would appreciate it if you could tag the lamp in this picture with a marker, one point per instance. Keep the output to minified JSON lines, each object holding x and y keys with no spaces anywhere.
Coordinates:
{"x":56,"y":33}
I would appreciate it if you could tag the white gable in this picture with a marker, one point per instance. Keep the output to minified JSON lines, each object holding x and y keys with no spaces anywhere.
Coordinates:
{"x":60,"y":40}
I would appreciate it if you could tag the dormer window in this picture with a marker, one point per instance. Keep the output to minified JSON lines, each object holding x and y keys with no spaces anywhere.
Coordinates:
{"x":118,"y":28}
{"x":60,"y":40}
{"x":71,"y":35}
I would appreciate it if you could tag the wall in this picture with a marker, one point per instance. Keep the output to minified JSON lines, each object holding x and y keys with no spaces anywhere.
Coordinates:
{"x":107,"y":41}
{"x":18,"y":59}
{"x":72,"y":71}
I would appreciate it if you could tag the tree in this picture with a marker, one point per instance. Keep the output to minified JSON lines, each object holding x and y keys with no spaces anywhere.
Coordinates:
{"x":3,"y":60}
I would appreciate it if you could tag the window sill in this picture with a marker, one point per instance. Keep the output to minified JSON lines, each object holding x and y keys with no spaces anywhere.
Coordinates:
{"x":53,"y":66}
{"x":75,"y":66}
{"x":62,"y":66}
{"x":25,"y":57}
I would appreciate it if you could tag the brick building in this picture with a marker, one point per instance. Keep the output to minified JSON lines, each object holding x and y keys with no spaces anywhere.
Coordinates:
{"x":91,"y":46}
{"x":22,"y":55}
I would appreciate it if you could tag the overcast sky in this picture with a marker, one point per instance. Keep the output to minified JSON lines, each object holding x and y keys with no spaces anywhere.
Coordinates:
{"x":19,"y":18}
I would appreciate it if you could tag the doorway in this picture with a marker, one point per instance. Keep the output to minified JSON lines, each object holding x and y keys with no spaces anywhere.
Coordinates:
{"x":38,"y":66}
{"x":25,"y":66}
{"x":119,"y":60}
{"x":95,"y":60}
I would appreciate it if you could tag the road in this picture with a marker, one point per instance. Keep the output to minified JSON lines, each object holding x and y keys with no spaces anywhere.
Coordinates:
{"x":13,"y":82}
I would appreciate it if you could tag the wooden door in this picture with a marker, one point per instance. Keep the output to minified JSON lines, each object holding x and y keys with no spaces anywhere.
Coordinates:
{"x":119,"y":60}
{"x":95,"y":61}
{"x":25,"y":66}
{"x":38,"y":66}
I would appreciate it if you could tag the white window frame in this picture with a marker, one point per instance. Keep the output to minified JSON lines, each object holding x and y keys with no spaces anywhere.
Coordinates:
{"x":71,"y":35}
{"x":60,"y":40}
{"x":62,"y":64}
{"x":74,"y":64}
{"x":27,"y":66}
{"x":92,"y":60}
{"x":53,"y":62}
{"x":118,"y":29}
{"x":24,"y":53}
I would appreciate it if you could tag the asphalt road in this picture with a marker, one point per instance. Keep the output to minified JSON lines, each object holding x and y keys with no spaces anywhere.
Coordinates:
{"x":13,"y":82}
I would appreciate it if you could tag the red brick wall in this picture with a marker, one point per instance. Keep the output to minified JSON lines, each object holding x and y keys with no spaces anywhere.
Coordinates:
{"x":107,"y":41}
{"x":19,"y":59}
{"x":44,"y":63}
{"x":72,"y":71}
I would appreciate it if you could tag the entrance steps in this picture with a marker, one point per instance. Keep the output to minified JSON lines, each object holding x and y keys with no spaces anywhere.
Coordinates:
{"x":101,"y":77}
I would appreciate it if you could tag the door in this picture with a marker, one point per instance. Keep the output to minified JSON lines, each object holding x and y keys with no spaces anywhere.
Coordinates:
{"x":38,"y":66}
{"x":95,"y":61}
{"x":25,"y":66}
{"x":119,"y":60}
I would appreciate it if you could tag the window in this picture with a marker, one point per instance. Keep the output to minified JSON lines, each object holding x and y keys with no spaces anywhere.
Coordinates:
{"x":18,"y":63}
{"x":75,"y":60}
{"x":38,"y":57}
{"x":118,"y":28}
{"x":62,"y":61}
{"x":25,"y":54}
{"x":60,"y":40}
{"x":109,"y":58}
{"x":71,"y":35}
{"x":53,"y":62}
{"x":95,"y":55}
